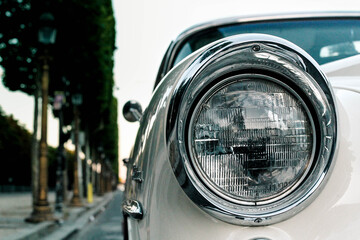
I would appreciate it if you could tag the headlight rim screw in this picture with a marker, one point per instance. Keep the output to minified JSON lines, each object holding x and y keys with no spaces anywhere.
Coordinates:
{"x":256,"y":48}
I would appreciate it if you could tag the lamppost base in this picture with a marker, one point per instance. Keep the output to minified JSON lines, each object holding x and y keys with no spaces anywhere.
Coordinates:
{"x":40,"y":214}
{"x":76,"y":202}
{"x":58,"y":207}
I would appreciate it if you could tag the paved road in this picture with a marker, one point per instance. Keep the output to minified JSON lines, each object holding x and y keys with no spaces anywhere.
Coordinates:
{"x":107,"y":225}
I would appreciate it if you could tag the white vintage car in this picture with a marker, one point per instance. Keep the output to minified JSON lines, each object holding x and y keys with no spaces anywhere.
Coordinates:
{"x":248,"y":137}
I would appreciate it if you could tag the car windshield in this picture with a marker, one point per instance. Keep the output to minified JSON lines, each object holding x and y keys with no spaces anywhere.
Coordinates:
{"x":325,"y":40}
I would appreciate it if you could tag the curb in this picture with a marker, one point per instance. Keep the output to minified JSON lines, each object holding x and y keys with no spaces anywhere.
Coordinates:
{"x":58,"y":230}
{"x":70,"y":228}
{"x":35,"y":232}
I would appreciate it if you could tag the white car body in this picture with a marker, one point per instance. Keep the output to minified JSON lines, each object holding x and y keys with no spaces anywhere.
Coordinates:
{"x":169,"y":214}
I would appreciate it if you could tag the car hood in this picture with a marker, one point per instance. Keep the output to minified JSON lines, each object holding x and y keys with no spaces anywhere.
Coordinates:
{"x":344,"y":74}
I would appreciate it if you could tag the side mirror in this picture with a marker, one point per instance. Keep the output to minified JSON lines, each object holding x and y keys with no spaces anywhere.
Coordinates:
{"x":126,"y":161}
{"x":132,"y":111}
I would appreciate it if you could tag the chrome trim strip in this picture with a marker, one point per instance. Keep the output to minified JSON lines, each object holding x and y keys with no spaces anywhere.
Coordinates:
{"x":137,"y":175}
{"x":133,"y":209}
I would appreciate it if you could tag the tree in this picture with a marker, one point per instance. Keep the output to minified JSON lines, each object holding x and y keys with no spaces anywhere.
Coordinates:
{"x":14,"y":151}
{"x":82,"y":54}
{"x":108,"y":136}
{"x":91,"y":33}
{"x":18,"y":43}
{"x":15,"y":145}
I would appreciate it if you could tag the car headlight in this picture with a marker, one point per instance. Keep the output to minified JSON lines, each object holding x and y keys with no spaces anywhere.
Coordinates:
{"x":251,"y":139}
{"x":252,"y":130}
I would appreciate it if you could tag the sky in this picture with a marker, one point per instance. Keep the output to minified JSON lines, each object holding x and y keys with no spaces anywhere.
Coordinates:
{"x":144,"y":30}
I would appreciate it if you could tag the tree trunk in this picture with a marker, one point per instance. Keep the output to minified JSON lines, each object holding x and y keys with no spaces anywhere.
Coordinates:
{"x":87,"y":166}
{"x":35,"y":147}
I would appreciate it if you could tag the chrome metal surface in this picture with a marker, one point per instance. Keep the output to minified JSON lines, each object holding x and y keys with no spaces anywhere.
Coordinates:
{"x":133,"y":209}
{"x":132,"y":111}
{"x":126,"y":160}
{"x":137,"y":175}
{"x":277,"y":58}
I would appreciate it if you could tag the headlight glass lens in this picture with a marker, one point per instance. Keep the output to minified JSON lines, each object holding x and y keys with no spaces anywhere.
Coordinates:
{"x":252,"y":140}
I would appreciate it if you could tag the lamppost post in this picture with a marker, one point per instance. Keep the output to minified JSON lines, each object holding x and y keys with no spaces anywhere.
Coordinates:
{"x":102,"y":171}
{"x":59,"y":101}
{"x":108,"y":175}
{"x":41,"y":210}
{"x":76,"y":199}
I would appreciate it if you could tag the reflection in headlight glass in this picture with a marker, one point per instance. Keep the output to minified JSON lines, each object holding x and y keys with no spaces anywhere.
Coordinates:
{"x":252,"y":140}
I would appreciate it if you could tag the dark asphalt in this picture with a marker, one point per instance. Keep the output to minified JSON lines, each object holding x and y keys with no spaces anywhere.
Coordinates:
{"x":107,"y":225}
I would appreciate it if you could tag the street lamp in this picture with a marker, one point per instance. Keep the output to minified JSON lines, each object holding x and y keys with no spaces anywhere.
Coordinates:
{"x":59,"y":101}
{"x":47,"y":30}
{"x":76,"y":199}
{"x":47,"y":35}
{"x":101,"y":171}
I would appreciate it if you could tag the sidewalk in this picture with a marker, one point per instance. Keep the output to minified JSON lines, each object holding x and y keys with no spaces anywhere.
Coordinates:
{"x":15,"y":207}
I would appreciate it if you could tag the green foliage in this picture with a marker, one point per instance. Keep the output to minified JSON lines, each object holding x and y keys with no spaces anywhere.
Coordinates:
{"x":92,"y":31}
{"x":82,"y":54}
{"x":15,"y":143}
{"x":18,"y":56}
{"x":110,"y":135}
{"x":15,"y":152}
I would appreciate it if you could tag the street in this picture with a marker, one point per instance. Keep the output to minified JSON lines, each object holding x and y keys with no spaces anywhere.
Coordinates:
{"x":107,"y":225}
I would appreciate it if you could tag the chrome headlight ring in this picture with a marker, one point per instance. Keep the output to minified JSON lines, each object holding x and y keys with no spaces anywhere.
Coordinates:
{"x":242,"y":58}
{"x":241,"y":149}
